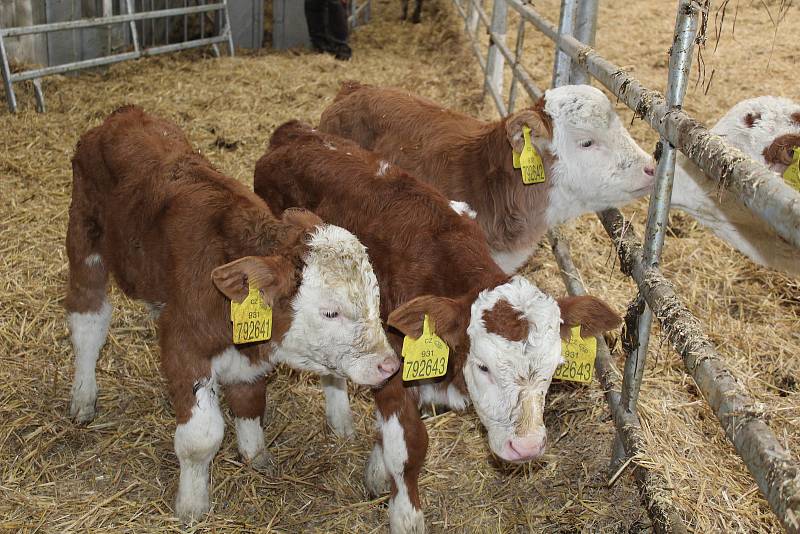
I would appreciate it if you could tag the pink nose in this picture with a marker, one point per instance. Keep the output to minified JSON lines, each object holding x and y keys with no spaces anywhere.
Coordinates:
{"x":650,"y":170}
{"x":527,"y":448}
{"x":388,"y":367}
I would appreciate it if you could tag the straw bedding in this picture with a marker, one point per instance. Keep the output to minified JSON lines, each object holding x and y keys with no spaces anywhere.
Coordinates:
{"x":120,"y":473}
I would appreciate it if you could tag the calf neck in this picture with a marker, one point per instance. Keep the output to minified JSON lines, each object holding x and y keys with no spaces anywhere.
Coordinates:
{"x":174,"y":232}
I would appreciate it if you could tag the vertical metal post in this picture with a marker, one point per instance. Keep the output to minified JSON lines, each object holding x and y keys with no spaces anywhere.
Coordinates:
{"x":472,"y":20}
{"x":680,"y":61}
{"x":202,"y":21}
{"x":495,"y":60}
{"x":566,"y":26}
{"x":39,"y":94}
{"x":11,"y":98}
{"x":368,"y":11}
{"x":134,"y":32}
{"x":512,"y":92}
{"x":585,"y":30}
{"x":185,"y":23}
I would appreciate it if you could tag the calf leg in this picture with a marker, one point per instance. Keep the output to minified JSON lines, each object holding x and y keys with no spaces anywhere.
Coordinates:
{"x":337,"y":406}
{"x":376,"y":477}
{"x":88,"y":310}
{"x":405,"y":442}
{"x":248,"y":402}
{"x":404,"y":14}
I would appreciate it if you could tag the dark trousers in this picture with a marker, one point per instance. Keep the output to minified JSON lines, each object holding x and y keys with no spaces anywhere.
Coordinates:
{"x":327,"y":26}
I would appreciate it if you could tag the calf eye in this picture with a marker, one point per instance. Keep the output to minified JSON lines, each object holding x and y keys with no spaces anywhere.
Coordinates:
{"x":483,"y":368}
{"x":331,"y":314}
{"x":587,"y":143}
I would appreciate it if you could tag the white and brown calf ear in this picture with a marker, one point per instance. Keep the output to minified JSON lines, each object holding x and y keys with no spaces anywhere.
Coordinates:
{"x":590,"y":313}
{"x":449,"y":317}
{"x":272,"y":275}
{"x":536,"y":119}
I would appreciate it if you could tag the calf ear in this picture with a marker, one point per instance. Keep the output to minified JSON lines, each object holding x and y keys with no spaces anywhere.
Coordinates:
{"x":301,"y":218}
{"x":592,"y":314}
{"x":534,"y":118}
{"x":273,"y":275}
{"x":449,"y":318}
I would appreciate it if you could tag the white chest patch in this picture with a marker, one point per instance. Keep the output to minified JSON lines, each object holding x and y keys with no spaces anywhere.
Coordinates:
{"x":232,"y":367}
{"x":462,"y":208}
{"x":511,"y":261}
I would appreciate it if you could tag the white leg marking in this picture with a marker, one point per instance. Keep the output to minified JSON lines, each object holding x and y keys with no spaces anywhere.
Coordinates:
{"x":88,"y":332}
{"x":337,"y":406}
{"x":250,"y":437}
{"x":403,"y":516}
{"x":196,"y":443}
{"x":376,"y":478}
{"x":93,"y":260}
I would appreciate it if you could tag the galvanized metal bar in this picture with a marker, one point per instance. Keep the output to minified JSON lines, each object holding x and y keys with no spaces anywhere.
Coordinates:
{"x":654,"y":490}
{"x":202,"y":22}
{"x":104,"y":21}
{"x":355,"y":12}
{"x":493,"y":78}
{"x":11,"y":98}
{"x":756,"y":186}
{"x":743,"y":419}
{"x":512,"y":91}
{"x":476,"y":49}
{"x":185,"y":22}
{"x":134,"y":32}
{"x":566,"y":26}
{"x":680,"y":62}
{"x":227,"y":31}
{"x":585,"y":31}
{"x":39,"y":95}
{"x":152,"y":26}
{"x":471,"y":24}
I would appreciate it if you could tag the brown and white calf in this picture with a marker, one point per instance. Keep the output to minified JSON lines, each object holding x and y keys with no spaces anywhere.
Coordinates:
{"x":591,"y":163}
{"x":504,"y":334}
{"x":176,"y":233}
{"x":766,"y":128}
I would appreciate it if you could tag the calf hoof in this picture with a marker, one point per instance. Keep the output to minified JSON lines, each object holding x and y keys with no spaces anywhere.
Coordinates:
{"x":416,"y":19}
{"x":191,"y":509}
{"x":406,"y":520}
{"x":264,"y":463}
{"x":342,"y":425}
{"x":83,"y":406}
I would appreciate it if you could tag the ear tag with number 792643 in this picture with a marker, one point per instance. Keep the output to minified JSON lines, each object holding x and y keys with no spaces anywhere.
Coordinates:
{"x":529,"y":161}
{"x":579,"y":354}
{"x":252,"y":318}
{"x":426,"y":356}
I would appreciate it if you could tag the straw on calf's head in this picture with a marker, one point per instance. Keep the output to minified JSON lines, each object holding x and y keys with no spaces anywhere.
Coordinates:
{"x":336,"y":327}
{"x":510,"y":339}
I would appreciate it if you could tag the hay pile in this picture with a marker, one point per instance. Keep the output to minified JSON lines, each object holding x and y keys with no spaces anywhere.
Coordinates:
{"x":120,"y":473}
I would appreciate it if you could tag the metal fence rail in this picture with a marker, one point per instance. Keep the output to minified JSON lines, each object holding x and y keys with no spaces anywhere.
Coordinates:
{"x":775,"y":471}
{"x":224,"y":36}
{"x":363,"y":10}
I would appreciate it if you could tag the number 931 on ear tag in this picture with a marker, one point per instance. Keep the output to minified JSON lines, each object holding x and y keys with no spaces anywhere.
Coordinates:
{"x":579,"y":354}
{"x":426,"y":356}
{"x":529,"y":161}
{"x":252,"y":318}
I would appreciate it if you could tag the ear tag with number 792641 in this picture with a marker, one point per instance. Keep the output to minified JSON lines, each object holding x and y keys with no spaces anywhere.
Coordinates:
{"x":579,"y":354}
{"x":426,"y":356}
{"x":529,"y":161}
{"x":252,"y":318}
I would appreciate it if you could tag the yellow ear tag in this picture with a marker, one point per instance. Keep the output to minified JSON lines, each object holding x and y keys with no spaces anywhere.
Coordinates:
{"x":579,"y":354}
{"x":426,"y":356}
{"x":792,"y":173}
{"x":252,"y":319}
{"x":529,"y":161}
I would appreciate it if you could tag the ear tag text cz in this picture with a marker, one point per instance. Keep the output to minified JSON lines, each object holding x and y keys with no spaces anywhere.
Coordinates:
{"x":792,"y":173}
{"x":426,"y":356}
{"x":529,"y":161}
{"x":579,"y":354}
{"x":252,"y":318}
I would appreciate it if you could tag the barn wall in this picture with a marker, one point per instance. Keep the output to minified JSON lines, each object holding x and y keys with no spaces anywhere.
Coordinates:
{"x":27,"y":48}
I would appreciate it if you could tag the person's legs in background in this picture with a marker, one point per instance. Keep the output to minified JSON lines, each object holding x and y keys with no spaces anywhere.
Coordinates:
{"x":327,"y":27}
{"x":338,"y":28}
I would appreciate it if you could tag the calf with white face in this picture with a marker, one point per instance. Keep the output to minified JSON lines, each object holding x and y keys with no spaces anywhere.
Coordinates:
{"x":767,"y":129}
{"x":505,"y":346}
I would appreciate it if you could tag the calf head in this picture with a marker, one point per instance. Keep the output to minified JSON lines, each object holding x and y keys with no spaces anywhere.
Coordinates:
{"x":596,"y":164}
{"x":511,"y":335}
{"x":766,"y":128}
{"x":333,"y":299}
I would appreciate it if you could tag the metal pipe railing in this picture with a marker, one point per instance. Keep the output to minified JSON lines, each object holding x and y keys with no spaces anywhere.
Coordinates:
{"x":755,"y":185}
